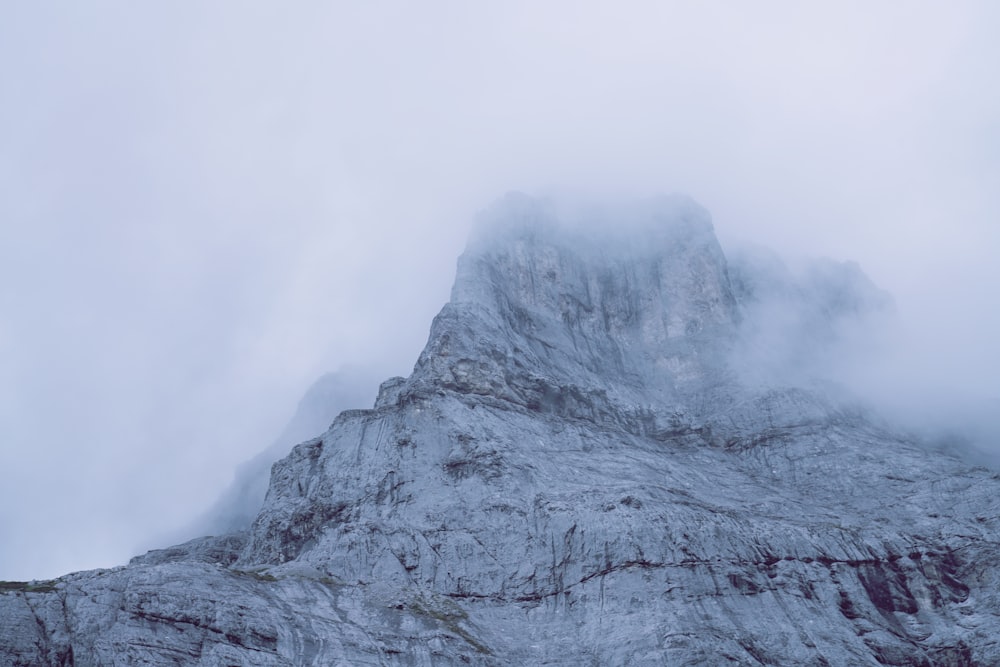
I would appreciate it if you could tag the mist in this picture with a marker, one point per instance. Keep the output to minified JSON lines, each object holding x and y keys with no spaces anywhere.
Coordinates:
{"x":822,"y":324}
{"x":204,"y":208}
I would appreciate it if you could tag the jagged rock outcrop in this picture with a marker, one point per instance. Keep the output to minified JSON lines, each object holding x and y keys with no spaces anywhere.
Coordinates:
{"x":576,"y":472}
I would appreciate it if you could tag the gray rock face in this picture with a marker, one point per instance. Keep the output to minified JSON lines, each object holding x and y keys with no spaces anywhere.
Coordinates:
{"x":575,"y":473}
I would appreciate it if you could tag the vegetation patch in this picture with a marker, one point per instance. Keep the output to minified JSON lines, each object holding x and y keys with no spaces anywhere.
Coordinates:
{"x":259,"y":575}
{"x":449,"y":614}
{"x":28,"y":586}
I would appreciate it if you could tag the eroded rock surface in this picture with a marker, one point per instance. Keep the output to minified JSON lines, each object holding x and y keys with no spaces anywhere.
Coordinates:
{"x":575,"y":473}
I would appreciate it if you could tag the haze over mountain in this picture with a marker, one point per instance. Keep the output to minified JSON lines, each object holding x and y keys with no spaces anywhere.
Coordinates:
{"x":599,"y":458}
{"x":204,"y":208}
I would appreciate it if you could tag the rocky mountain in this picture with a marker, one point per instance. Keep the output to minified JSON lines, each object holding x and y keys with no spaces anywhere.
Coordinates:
{"x":582,"y":469}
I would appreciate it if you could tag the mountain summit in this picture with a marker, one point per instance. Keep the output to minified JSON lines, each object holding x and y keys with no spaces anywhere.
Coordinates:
{"x":611,"y":451}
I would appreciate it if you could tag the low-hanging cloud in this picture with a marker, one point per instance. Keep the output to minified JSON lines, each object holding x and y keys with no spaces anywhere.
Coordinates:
{"x":203,"y":209}
{"x":824,"y":324}
{"x":821,"y":320}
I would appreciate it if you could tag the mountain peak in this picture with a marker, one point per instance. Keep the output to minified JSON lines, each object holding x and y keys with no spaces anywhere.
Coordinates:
{"x":632,"y":301}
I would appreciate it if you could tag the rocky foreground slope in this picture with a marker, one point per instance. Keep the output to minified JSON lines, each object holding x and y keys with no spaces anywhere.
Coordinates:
{"x":581,"y":470}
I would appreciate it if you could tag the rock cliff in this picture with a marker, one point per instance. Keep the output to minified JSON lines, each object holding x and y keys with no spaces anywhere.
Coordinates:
{"x":579,"y":470}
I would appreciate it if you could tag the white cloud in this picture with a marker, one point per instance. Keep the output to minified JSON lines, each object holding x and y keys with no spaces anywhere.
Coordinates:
{"x":204,"y":207}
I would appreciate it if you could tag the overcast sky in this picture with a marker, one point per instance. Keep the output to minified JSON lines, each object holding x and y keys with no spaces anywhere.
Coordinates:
{"x":205,"y":205}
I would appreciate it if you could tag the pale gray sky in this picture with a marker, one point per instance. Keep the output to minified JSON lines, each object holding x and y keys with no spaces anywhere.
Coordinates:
{"x":204,"y":206}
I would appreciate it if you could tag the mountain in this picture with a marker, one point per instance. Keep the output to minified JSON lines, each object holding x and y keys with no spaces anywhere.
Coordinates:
{"x":612,"y":450}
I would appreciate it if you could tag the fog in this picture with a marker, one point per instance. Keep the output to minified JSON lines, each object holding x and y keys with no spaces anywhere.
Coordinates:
{"x":206,"y":206}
